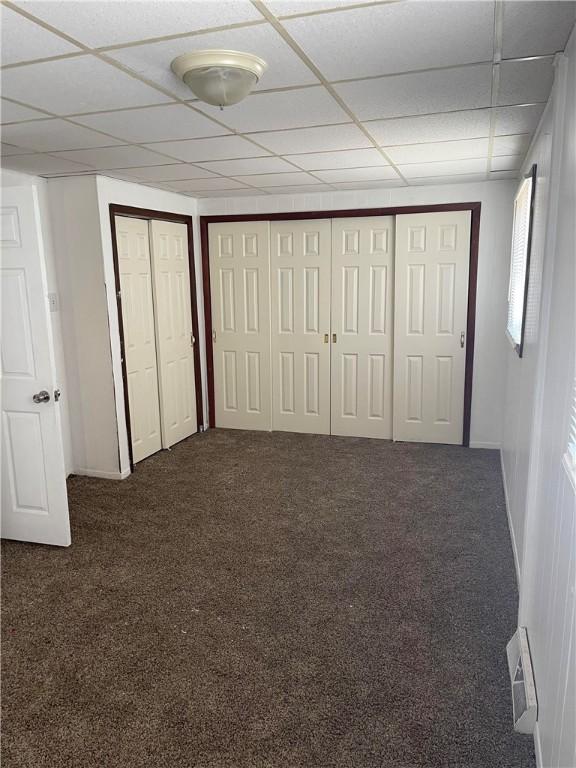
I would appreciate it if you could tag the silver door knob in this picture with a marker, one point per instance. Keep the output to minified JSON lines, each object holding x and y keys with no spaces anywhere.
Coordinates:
{"x":41,"y":397}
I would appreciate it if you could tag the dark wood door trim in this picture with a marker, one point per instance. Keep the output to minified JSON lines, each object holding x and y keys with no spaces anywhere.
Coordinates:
{"x":147,"y":213}
{"x":474,"y":209}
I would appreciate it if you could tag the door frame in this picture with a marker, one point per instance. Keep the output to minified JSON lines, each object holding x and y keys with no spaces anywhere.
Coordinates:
{"x":474,"y":208}
{"x":116,"y":209}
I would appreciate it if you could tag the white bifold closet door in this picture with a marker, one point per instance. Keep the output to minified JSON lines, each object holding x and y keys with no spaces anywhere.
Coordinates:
{"x":431,"y":300}
{"x":362,"y":326}
{"x":173,"y":318}
{"x":300,"y":300}
{"x":135,"y":271}
{"x":240,"y":293}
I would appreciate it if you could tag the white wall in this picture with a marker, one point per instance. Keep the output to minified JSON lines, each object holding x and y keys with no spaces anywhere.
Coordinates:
{"x":14,"y":179}
{"x":541,"y":495}
{"x":494,"y":248}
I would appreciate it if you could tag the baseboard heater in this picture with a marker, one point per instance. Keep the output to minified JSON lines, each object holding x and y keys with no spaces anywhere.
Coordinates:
{"x":524,"y":702}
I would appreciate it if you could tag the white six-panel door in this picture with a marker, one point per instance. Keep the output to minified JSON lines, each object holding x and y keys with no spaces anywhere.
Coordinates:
{"x":134,"y":267}
{"x":174,"y":340}
{"x":431,"y":300}
{"x":300,"y":291}
{"x":240,"y":292}
{"x":362,"y":326}
{"x":34,"y":498}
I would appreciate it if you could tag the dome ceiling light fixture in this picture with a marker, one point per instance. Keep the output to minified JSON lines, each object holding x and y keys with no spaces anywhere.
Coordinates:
{"x":219,"y":78}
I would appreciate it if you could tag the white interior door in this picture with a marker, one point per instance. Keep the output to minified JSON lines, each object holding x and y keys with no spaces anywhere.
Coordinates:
{"x":240,"y":292}
{"x":300,"y":291}
{"x":133,"y":245}
{"x":431,"y":301}
{"x":362,"y":326}
{"x":34,"y":498}
{"x":174,"y":340}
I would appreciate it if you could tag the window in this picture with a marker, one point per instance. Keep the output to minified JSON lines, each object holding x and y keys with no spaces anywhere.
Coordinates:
{"x":520,"y":260}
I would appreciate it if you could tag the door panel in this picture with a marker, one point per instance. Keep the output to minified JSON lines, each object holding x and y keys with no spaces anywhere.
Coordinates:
{"x":132,"y":238}
{"x":431,"y":287}
{"x":240,"y":292}
{"x":300,"y":295}
{"x":362,"y":320}
{"x":34,"y":498}
{"x":174,"y":341}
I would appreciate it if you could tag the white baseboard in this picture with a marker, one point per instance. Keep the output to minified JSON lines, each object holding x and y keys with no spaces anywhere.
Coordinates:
{"x":103,"y":475}
{"x":492,"y":446}
{"x":538,"y":747}
{"x":510,"y":526}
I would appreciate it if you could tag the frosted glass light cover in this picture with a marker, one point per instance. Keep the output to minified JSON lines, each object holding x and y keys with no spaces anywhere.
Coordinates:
{"x":220,"y":86}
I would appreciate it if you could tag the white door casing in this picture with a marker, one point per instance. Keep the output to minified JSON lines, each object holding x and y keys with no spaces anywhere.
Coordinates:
{"x":362,"y":326}
{"x":240,"y":295}
{"x":134,"y":268}
{"x":431,"y":301}
{"x":174,"y":340}
{"x":34,"y":498}
{"x":300,"y":258}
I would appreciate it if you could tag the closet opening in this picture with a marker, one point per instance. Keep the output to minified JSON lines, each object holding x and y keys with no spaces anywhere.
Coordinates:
{"x":155,"y":282}
{"x":426,"y":353}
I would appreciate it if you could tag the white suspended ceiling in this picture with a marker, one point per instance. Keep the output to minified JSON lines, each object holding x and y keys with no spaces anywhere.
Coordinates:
{"x":357,"y":95}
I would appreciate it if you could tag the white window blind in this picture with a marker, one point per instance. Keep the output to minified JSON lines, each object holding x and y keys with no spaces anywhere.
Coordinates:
{"x":519,"y":261}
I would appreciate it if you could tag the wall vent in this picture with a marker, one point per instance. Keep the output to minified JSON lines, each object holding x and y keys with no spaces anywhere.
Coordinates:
{"x":524,"y":702}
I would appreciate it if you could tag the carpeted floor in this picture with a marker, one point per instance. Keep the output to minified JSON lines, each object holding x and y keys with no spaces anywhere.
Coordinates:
{"x":255,"y":600}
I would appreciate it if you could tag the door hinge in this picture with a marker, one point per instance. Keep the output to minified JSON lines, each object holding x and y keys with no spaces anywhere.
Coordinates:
{"x":192,"y":340}
{"x":214,"y":336}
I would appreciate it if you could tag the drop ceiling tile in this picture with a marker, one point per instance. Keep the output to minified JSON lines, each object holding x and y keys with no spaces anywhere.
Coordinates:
{"x":113,"y":157}
{"x":357,"y":174}
{"x":43,"y":164}
{"x":172,"y":172}
{"x":536,"y":28}
{"x":514,"y":120}
{"x":447,"y":126}
{"x":435,"y":151}
{"x":81,"y":84}
{"x":354,"y":158}
{"x":464,"y":178}
{"x":511,"y":145}
{"x":9,"y":149}
{"x":419,"y":93}
{"x":307,"y":189}
{"x":23,"y":40}
{"x":523,"y":82}
{"x":375,"y":184}
{"x":507,"y":162}
{"x":12,"y":113}
{"x":201,"y":150}
{"x":285,"y":68}
{"x":110,"y":22}
{"x":164,"y":123}
{"x":253,"y":165}
{"x":286,"y":109}
{"x":203,"y":185}
{"x":396,"y":37}
{"x":293,"y":7}
{"x":52,"y":135}
{"x":229,"y":193}
{"x":279,"y":179}
{"x":326,"y":137}
{"x":446,"y":168}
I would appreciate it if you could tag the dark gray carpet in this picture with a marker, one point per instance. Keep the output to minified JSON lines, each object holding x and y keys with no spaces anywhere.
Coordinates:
{"x":254,"y":600}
